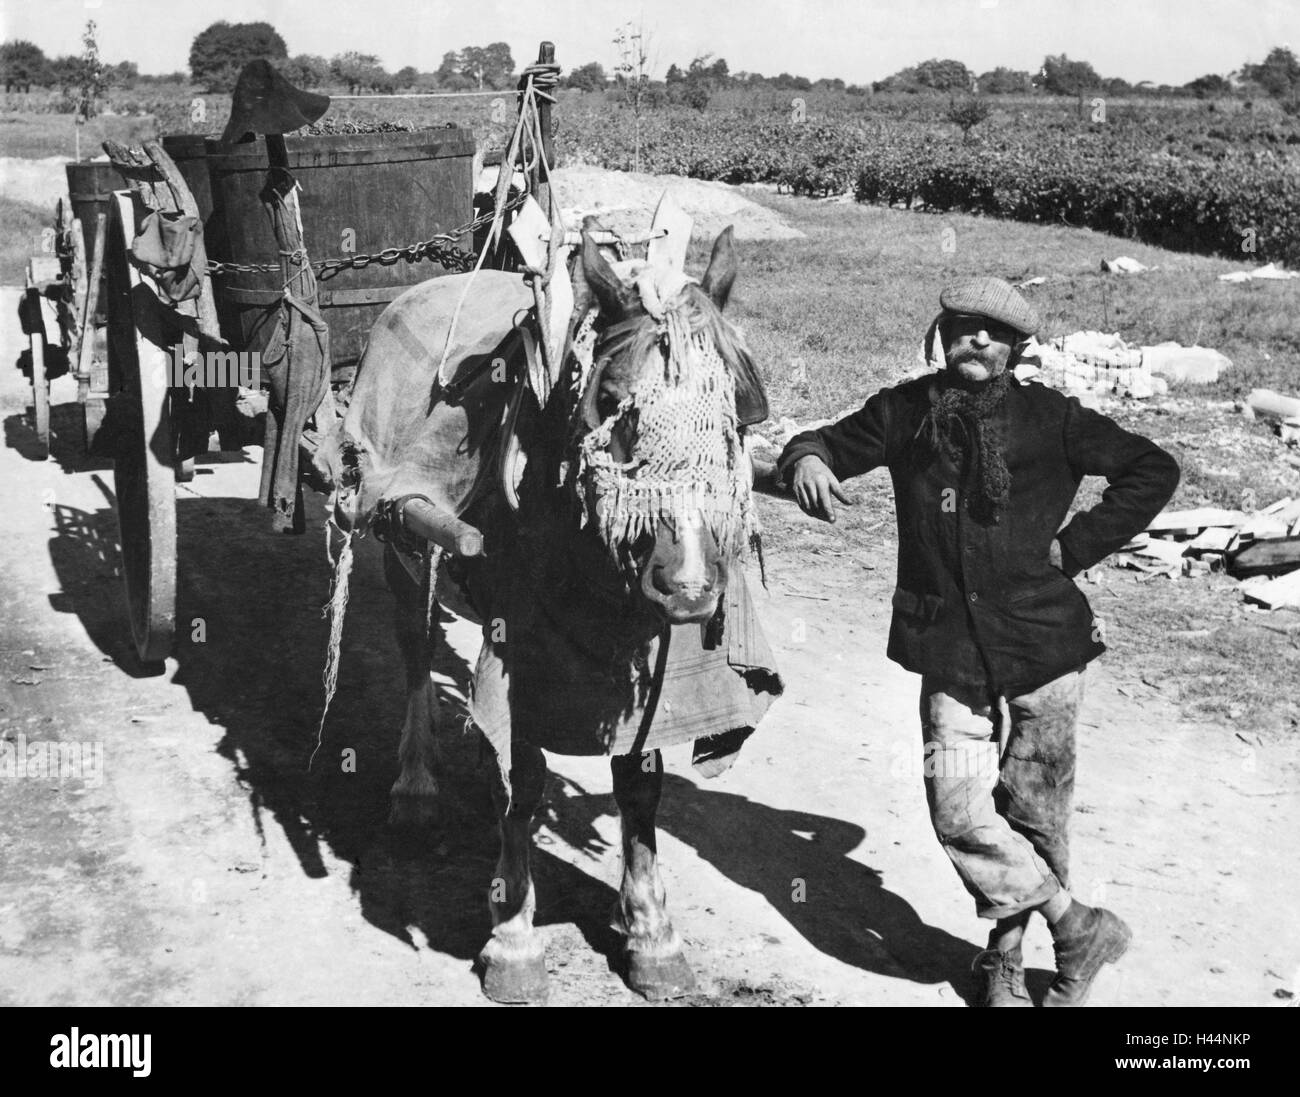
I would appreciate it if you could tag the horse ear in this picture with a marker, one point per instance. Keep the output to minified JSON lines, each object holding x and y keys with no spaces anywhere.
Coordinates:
{"x":614,"y":298}
{"x":722,"y":268}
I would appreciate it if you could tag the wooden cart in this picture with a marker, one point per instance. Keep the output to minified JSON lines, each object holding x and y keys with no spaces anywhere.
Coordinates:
{"x":388,"y":209}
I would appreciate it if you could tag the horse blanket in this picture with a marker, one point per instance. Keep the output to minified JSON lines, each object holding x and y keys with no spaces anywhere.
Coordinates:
{"x":560,"y":676}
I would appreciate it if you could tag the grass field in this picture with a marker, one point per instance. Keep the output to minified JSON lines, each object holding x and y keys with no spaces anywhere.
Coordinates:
{"x":21,"y":238}
{"x":37,"y":136}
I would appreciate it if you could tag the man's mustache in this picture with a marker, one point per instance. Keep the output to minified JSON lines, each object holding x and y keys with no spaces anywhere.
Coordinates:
{"x":969,"y":355}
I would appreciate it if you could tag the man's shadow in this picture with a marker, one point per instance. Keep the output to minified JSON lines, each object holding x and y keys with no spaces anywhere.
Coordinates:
{"x":799,"y":862}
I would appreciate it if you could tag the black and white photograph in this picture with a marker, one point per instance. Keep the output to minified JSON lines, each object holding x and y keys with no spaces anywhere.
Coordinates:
{"x":651,"y":504}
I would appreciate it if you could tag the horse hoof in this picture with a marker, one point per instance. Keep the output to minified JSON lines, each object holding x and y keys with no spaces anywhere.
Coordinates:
{"x":659,"y":978}
{"x":515,"y":980}
{"x":409,"y":812}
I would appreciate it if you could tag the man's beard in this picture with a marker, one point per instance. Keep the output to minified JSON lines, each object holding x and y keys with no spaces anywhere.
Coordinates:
{"x":961,"y":423}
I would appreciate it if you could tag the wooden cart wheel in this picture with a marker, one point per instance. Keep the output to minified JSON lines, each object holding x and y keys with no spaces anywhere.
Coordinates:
{"x":40,"y":382}
{"x":139,"y":335}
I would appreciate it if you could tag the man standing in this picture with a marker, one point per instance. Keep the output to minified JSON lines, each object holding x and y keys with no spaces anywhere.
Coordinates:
{"x":984,"y":472}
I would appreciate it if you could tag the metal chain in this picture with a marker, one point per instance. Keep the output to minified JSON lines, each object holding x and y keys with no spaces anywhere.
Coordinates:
{"x":440,"y":248}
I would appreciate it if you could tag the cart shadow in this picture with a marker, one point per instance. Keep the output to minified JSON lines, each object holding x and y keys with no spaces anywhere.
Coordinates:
{"x":250,"y":648}
{"x":799,"y":862}
{"x":67,"y":439}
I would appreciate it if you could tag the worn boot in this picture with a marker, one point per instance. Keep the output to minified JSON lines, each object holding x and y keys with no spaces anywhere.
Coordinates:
{"x":1101,"y":938}
{"x":1003,"y":978}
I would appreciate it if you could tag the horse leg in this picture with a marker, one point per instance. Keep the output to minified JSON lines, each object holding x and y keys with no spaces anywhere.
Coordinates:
{"x":656,"y":962}
{"x":413,"y":801}
{"x":514,"y":959}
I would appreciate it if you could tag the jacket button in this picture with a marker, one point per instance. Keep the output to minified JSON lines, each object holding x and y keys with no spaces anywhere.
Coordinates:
{"x":974,"y":597}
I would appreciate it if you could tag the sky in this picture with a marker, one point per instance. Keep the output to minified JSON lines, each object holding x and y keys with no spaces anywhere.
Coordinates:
{"x":1165,"y":41}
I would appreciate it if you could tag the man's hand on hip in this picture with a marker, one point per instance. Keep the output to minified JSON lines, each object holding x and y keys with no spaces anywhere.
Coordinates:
{"x":815,"y":488}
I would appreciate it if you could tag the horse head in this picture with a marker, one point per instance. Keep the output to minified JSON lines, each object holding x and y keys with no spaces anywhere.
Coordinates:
{"x":662,"y":469}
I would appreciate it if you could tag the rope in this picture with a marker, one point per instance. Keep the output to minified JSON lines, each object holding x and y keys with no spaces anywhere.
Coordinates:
{"x":335,"y":610}
{"x":515,"y":150}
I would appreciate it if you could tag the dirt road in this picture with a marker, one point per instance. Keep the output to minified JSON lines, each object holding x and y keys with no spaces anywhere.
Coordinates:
{"x":202,"y":863}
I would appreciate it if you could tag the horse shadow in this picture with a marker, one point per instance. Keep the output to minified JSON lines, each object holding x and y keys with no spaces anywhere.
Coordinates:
{"x":249,"y":651}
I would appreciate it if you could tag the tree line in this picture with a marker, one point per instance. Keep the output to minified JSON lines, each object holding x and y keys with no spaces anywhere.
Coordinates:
{"x":219,"y":52}
{"x":1277,"y":76}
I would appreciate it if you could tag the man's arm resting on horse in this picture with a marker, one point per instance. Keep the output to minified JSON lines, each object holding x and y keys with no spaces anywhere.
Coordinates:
{"x":814,"y":462}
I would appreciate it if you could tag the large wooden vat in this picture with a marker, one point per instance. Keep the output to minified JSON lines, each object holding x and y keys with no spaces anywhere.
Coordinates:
{"x":366,"y":192}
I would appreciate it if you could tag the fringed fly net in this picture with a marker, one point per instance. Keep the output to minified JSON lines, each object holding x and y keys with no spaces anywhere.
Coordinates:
{"x":687,"y":463}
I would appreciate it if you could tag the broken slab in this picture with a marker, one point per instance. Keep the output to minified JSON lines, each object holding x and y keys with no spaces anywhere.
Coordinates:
{"x":1262,"y":526}
{"x":1274,"y":404}
{"x":1275,"y":556}
{"x":1171,"y":521}
{"x":1174,"y":362}
{"x":1212,"y":539}
{"x":1124,"y":264}
{"x":1273,"y":593}
{"x":1266,"y":272}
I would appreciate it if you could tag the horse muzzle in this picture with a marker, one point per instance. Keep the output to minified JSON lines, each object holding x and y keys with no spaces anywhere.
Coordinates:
{"x":683,"y":595}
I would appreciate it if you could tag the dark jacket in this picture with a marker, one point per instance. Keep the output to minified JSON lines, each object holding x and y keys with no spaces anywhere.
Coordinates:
{"x":978,"y":604}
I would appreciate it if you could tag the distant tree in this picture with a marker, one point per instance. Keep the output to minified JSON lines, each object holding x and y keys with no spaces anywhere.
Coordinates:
{"x":219,"y":52}
{"x":1115,"y":86}
{"x":632,"y":75}
{"x":306,"y":70}
{"x":1278,"y":74}
{"x":695,"y":94}
{"x":123,"y":74}
{"x":1209,"y":86}
{"x":92,"y":80}
{"x":450,"y":67}
{"x":1061,"y":76}
{"x":64,"y":73}
{"x":1004,"y":81}
{"x":701,"y":78}
{"x":968,"y":113}
{"x":829,"y":83}
{"x":22,"y":64}
{"x":857,"y":89}
{"x":701,"y":68}
{"x":795,"y":83}
{"x":358,"y":71}
{"x":489,"y":66}
{"x":406,"y":76}
{"x":588,"y":77}
{"x":946,"y":75}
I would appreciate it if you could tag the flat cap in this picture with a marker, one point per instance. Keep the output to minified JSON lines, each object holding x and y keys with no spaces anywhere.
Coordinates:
{"x":991,"y":298}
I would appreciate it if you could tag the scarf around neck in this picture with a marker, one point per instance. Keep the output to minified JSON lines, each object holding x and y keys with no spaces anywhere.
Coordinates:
{"x":960,"y":423}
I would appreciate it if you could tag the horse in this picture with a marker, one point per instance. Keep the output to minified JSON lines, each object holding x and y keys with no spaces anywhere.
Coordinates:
{"x":615,"y":504}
